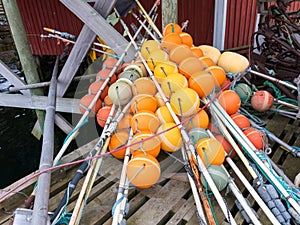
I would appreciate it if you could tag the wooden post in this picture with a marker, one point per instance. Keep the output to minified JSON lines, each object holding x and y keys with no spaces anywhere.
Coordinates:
{"x":26,"y":58}
{"x":220,"y":24}
{"x":169,"y":12}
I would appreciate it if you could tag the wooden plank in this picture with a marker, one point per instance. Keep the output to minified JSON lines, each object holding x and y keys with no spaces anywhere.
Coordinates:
{"x":100,"y":26}
{"x":156,"y":208}
{"x":169,"y":12}
{"x":80,"y":49}
{"x":67,"y":105}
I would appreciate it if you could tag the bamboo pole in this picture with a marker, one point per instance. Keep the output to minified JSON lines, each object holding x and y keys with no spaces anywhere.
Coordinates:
{"x":184,"y":134}
{"x":40,"y":209}
{"x":25,"y":55}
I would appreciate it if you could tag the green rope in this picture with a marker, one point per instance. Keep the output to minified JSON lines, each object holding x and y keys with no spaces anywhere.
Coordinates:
{"x":210,"y":202}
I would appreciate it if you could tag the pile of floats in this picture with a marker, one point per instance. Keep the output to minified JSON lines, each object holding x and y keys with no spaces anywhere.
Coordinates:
{"x":178,"y":97}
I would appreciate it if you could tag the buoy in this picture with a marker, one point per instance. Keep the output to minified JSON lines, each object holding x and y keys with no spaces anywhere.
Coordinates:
{"x":172,"y":83}
{"x":102,"y":115}
{"x":233,"y":62}
{"x":162,"y":70}
{"x":170,"y":41}
{"x":257,"y":137}
{"x":262,"y":101}
{"x":179,"y":53}
{"x":210,"y":151}
{"x":164,"y":115}
{"x":135,"y":68}
{"x":84,"y":103}
{"x":218,"y":74}
{"x":244,"y":91}
{"x":148,"y":47}
{"x":226,"y":145}
{"x":104,"y":73}
{"x":172,"y":28}
{"x":207,"y":61}
{"x":159,"y":99}
{"x":144,"y":121}
{"x":230,"y":101}
{"x":131,"y":75}
{"x":142,"y":67}
{"x":125,"y":122}
{"x":190,"y":66}
{"x":96,"y":86}
{"x":185,"y":102}
{"x":202,"y":82}
{"x":144,"y":85}
{"x":218,"y":175}
{"x":120,"y":92}
{"x":118,"y":140}
{"x":241,"y":120}
{"x":201,"y":120}
{"x":197,"y":52}
{"x":146,"y":144}
{"x":107,"y":101}
{"x":197,"y":133}
{"x":186,"y":39}
{"x":211,"y":52}
{"x":170,"y":140}
{"x":157,"y":57}
{"x":143,"y":171}
{"x":143,"y":102}
{"x":109,"y":63}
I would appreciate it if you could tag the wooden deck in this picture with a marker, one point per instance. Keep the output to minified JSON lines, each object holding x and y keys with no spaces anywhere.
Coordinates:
{"x":170,"y":201}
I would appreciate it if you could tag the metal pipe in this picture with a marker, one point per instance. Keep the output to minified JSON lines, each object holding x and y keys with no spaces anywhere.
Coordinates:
{"x":47,"y":83}
{"x":40,"y":210}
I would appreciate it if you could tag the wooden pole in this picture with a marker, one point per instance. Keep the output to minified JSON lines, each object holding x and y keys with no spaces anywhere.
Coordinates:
{"x":40,"y":209}
{"x":169,"y":9}
{"x":25,"y":55}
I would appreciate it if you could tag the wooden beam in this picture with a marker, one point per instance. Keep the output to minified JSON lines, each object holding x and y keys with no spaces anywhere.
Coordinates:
{"x":169,"y":12}
{"x":12,"y":78}
{"x":67,"y":105}
{"x":80,"y":49}
{"x":100,"y":27}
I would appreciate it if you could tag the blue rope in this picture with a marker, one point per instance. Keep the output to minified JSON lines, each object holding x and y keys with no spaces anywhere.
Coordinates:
{"x":76,"y":128}
{"x":116,"y":204}
{"x":64,"y":216}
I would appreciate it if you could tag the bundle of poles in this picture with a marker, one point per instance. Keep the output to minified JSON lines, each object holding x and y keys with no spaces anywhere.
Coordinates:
{"x":194,"y":164}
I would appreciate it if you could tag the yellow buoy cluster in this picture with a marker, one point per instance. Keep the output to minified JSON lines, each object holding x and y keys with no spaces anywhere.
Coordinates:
{"x":186,"y":73}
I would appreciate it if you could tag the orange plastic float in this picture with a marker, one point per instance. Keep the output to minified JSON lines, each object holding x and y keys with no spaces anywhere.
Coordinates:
{"x":143,"y":170}
{"x":159,"y":99}
{"x":230,"y":101}
{"x":202,"y":82}
{"x":186,"y":39}
{"x":207,"y":61}
{"x":170,"y":41}
{"x":262,"y":101}
{"x":172,"y":28}
{"x":107,"y":101}
{"x":210,"y":51}
{"x":241,"y":120}
{"x":191,"y":65}
{"x":218,"y":74}
{"x":96,"y":86}
{"x":210,"y":151}
{"x":170,"y":140}
{"x":144,"y":85}
{"x":102,"y":115}
{"x":200,"y":120}
{"x":146,"y":144}
{"x":257,"y":137}
{"x":103,"y":74}
{"x":84,"y":103}
{"x":179,"y":53}
{"x":125,"y":122}
{"x":197,"y":51}
{"x":118,"y":140}
{"x":143,"y":102}
{"x":144,"y":121}
{"x":226,"y":145}
{"x":185,"y":102}
{"x":109,"y":63}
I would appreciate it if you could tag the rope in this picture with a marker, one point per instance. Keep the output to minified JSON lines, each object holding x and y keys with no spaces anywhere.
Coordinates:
{"x":76,"y":128}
